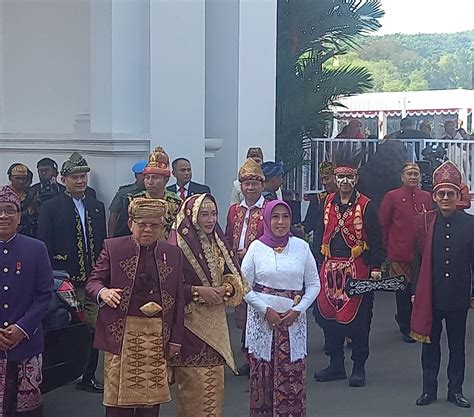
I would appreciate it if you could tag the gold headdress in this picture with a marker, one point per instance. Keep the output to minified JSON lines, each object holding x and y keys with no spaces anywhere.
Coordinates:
{"x":158,"y":163}
{"x":250,"y":170}
{"x":410,"y":165}
{"x":146,"y":208}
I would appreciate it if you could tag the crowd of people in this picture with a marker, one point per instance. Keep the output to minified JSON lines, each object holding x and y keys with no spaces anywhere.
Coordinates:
{"x":155,"y":285}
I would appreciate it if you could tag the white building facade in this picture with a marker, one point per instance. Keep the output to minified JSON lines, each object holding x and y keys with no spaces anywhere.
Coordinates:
{"x":112,"y":79}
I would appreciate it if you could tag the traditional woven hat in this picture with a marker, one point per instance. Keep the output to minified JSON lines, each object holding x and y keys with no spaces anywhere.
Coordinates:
{"x":250,"y":170}
{"x":20,"y":170}
{"x":7,"y":195}
{"x":158,"y":163}
{"x":75,"y":164}
{"x":145,"y":208}
{"x":273,"y":169}
{"x":447,"y":175}
{"x":326,"y":168}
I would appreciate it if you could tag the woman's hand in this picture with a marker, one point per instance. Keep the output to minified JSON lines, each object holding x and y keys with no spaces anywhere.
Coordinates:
{"x":111,"y":296}
{"x":272,"y":317}
{"x":289,"y":317}
{"x":211,"y":295}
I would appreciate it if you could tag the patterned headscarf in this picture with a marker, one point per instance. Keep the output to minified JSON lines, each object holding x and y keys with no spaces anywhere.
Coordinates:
{"x":7,"y":195}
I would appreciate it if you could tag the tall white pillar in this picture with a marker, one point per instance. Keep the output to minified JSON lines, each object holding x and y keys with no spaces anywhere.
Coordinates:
{"x":177,"y":84}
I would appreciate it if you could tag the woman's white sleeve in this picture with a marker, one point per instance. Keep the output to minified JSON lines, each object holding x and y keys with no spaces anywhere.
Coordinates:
{"x":248,"y":272}
{"x":311,"y":283}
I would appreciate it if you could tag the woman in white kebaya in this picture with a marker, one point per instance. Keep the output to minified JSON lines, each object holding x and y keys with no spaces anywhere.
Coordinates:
{"x":283,"y":283}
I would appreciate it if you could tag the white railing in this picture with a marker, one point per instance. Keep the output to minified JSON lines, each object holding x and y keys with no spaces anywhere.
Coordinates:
{"x":305,"y":178}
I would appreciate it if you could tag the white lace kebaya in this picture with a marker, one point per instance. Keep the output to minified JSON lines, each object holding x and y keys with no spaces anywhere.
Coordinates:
{"x":291,"y":269}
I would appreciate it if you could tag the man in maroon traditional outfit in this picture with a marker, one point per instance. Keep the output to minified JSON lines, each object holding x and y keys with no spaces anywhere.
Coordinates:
{"x":442,"y":285}
{"x":244,"y":225}
{"x":397,"y":219}
{"x":25,"y":293}
{"x":137,"y":281}
{"x":352,"y":248}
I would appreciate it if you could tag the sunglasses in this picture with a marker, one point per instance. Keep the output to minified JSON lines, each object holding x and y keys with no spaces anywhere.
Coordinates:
{"x":446,"y":194}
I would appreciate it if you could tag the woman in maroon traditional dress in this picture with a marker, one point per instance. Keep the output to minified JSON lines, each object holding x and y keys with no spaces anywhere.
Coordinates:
{"x":212,"y":281}
{"x":277,"y":266}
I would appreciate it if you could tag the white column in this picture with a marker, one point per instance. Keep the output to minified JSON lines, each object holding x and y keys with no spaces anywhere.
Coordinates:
{"x":2,"y":60}
{"x":177,"y":81}
{"x":120,"y":66}
{"x":257,"y":76}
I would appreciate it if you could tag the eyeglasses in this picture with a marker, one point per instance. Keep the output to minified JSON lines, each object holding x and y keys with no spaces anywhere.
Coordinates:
{"x":145,"y":225}
{"x":9,"y":211}
{"x":443,"y":194}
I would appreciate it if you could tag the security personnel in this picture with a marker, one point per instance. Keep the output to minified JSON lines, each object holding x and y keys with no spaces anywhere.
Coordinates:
{"x":442,"y":285}
{"x":116,"y":206}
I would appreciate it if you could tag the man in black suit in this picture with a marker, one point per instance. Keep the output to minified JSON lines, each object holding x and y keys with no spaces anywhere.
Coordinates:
{"x":72,"y":225}
{"x":184,"y":187}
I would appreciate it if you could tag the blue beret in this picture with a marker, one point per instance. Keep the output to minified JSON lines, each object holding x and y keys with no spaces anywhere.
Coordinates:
{"x":139,"y":166}
{"x":273,"y":169}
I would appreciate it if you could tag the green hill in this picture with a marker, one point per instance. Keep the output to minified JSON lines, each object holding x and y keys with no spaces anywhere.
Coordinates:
{"x":401,"y":62}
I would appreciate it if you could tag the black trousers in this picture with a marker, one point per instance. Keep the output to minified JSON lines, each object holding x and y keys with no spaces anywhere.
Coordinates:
{"x":431,"y":352}
{"x":92,"y":363}
{"x":358,"y":330}
{"x":403,"y":300}
{"x":132,"y":412}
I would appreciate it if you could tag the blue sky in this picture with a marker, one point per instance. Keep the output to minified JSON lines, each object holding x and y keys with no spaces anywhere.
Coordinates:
{"x":427,"y":16}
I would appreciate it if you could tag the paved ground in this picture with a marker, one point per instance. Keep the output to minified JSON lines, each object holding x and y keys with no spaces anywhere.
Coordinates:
{"x":393,"y":380}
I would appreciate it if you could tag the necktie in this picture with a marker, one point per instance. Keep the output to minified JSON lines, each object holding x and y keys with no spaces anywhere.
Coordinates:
{"x":182,"y":193}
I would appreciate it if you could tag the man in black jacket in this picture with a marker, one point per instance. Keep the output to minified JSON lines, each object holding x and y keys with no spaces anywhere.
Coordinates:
{"x":184,"y":187}
{"x":442,"y":285}
{"x":72,"y":225}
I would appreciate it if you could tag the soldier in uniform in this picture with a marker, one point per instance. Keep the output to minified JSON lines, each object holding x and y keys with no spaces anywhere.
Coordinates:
{"x":442,"y":288}
{"x":115,"y":208}
{"x":156,"y":175}
{"x":72,"y":225}
{"x":25,"y":294}
{"x":397,"y":219}
{"x":273,"y":172}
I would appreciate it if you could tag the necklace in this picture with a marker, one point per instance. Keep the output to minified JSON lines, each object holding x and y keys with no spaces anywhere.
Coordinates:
{"x":279,"y":249}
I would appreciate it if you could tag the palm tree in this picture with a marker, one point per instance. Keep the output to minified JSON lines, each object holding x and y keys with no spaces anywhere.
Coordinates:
{"x":311,"y":35}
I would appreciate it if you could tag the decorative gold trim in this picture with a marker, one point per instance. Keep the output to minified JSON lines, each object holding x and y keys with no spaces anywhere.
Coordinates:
{"x":420,"y":338}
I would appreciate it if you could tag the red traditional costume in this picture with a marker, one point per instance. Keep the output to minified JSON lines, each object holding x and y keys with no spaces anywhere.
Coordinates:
{"x":136,"y":334}
{"x":352,"y":248}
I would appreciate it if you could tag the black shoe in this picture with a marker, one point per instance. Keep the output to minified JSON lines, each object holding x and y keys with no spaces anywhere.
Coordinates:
{"x":331,"y":373}
{"x":357,"y":378}
{"x":244,"y":370}
{"x":408,"y":339}
{"x":426,"y":398}
{"x":459,"y":399}
{"x":90,"y":385}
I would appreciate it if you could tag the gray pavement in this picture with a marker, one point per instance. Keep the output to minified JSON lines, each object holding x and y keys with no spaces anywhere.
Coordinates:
{"x":393,"y":380}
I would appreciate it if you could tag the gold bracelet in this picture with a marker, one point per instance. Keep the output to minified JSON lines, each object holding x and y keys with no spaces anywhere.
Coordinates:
{"x":195,"y":293}
{"x":229,"y":289}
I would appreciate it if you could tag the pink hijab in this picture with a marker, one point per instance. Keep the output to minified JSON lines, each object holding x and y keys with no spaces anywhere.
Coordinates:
{"x":268,"y":238}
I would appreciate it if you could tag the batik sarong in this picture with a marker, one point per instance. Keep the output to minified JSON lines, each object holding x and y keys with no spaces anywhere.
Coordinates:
{"x":278,"y":387}
{"x":20,"y":387}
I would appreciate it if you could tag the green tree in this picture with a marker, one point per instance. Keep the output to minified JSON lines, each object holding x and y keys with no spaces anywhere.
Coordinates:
{"x":311,"y":35}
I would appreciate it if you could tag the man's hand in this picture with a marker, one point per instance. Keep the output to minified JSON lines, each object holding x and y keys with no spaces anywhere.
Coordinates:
{"x":211,"y":295}
{"x":413,"y":299}
{"x":173,"y":351}
{"x":5,"y":342}
{"x":273,"y":318}
{"x":14,"y":335}
{"x":289,"y":317}
{"x":111,"y":296}
{"x":376,"y":275}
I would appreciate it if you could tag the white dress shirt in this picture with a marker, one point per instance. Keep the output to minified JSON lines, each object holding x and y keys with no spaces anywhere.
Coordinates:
{"x":259,"y":204}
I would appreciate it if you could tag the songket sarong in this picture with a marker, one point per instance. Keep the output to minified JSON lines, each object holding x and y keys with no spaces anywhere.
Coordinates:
{"x":138,"y":376}
{"x":199,"y":391}
{"x":278,"y":387}
{"x":333,"y":302}
{"x":20,"y":387}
